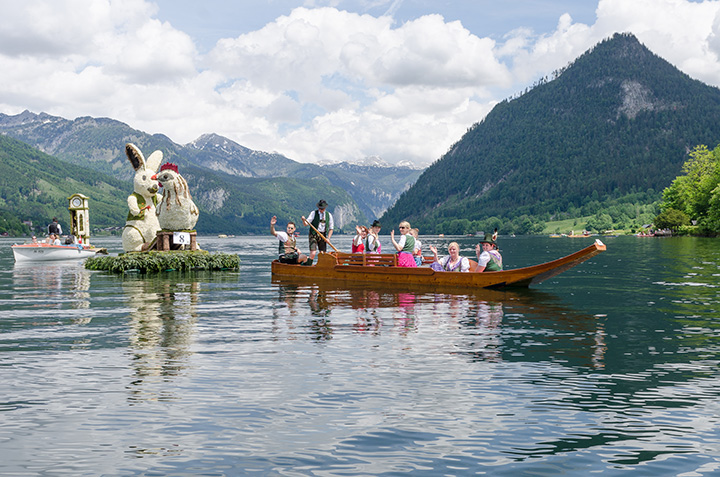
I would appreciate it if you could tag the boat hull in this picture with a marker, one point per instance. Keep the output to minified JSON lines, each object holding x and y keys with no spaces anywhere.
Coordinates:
{"x":339,"y":266}
{"x":50,"y":253}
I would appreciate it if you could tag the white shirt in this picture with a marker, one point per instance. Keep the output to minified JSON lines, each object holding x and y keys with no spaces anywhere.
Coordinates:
{"x":322,"y":226}
{"x":485,"y":258}
{"x":463,"y":267}
{"x":282,"y":236}
{"x":373,"y":244}
{"x":418,"y":246}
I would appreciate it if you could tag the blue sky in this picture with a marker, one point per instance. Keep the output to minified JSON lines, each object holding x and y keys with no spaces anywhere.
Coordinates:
{"x":320,"y":80}
{"x":209,"y":20}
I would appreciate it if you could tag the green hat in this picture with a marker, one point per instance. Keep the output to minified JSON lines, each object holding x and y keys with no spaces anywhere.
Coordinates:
{"x":489,"y":238}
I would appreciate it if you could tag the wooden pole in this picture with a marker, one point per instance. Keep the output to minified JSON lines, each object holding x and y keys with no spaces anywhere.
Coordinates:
{"x":321,"y":235}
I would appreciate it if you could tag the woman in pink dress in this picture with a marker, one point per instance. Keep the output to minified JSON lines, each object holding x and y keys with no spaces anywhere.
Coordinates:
{"x":404,"y":246}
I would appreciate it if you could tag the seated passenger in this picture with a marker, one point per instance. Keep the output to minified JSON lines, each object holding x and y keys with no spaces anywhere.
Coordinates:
{"x":287,"y":248}
{"x":452,"y":262}
{"x":404,"y":246}
{"x":489,"y":258}
{"x":417,"y":251}
{"x":374,"y":239}
{"x":359,"y":243}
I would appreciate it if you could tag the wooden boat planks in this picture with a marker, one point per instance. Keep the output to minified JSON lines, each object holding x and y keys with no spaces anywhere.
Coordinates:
{"x":381,"y":268}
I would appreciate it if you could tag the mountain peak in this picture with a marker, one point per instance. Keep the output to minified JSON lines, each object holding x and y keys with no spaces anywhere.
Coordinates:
{"x":616,"y":121}
{"x":217,"y":143}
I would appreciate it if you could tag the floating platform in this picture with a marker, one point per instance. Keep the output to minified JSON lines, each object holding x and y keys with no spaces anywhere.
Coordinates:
{"x":165,"y":261}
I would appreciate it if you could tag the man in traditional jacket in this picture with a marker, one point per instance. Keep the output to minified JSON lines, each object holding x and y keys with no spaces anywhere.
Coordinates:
{"x":322,"y":220}
{"x":287,"y":248}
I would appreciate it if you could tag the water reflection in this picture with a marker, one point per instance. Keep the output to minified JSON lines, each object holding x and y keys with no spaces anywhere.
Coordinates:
{"x":485,"y":325}
{"x":163,"y":316}
{"x":53,"y":285}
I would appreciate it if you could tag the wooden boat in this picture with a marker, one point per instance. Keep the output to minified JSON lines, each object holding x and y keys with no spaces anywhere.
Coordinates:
{"x":383,"y":268}
{"x":43,"y":252}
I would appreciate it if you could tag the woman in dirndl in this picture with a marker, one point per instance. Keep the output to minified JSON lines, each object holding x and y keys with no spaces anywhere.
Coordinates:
{"x":404,"y":246}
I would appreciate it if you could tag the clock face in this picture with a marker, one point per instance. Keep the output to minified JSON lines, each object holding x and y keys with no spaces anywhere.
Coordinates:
{"x":76,"y":202}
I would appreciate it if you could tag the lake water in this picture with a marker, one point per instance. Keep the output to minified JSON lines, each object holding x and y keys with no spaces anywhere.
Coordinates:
{"x":608,"y":368}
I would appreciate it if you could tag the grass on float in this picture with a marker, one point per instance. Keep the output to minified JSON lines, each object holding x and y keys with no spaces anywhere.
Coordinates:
{"x":154,"y":262}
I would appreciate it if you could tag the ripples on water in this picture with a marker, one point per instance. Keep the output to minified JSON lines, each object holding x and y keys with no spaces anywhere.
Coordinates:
{"x":610,"y":367}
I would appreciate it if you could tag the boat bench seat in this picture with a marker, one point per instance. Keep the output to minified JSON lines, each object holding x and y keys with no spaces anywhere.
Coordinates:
{"x":375,"y":259}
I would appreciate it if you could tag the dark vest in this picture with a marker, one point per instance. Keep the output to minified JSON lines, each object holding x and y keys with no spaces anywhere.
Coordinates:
{"x":53,"y":228}
{"x":316,"y":221}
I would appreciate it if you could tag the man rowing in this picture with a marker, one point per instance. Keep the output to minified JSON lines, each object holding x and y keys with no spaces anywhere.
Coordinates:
{"x":322,"y":221}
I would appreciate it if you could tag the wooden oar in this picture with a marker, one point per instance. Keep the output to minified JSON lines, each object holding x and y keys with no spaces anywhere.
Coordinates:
{"x":321,"y":235}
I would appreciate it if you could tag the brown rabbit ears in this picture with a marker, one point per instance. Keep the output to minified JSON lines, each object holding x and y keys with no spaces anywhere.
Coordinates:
{"x":136,"y":158}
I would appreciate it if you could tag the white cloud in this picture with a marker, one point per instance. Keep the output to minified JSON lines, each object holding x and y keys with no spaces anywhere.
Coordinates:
{"x":317,"y":83}
{"x":417,"y":74}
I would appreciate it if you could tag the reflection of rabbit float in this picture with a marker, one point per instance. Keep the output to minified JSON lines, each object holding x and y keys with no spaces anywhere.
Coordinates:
{"x":142,"y":224}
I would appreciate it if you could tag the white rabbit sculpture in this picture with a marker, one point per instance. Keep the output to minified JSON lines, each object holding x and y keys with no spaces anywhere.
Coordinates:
{"x":142,"y":224}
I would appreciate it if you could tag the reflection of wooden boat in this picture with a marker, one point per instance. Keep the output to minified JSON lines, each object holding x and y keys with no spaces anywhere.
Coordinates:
{"x":381,"y":295}
{"x":42,"y":252}
{"x":383,"y":268}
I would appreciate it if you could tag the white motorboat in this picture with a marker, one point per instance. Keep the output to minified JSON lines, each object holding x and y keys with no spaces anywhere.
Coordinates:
{"x":43,"y":252}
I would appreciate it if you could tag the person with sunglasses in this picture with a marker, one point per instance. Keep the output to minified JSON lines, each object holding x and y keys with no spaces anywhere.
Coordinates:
{"x":404,"y":246}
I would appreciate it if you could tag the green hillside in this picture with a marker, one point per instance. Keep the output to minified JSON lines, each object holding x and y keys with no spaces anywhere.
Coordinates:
{"x":614,"y":126}
{"x":34,"y":187}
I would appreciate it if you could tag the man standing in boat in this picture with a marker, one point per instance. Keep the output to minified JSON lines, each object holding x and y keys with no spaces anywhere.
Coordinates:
{"x":287,"y":250}
{"x":54,"y":227}
{"x":322,"y":220}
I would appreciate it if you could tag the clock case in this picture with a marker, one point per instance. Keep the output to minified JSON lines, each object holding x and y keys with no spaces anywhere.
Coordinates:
{"x":79,"y":217}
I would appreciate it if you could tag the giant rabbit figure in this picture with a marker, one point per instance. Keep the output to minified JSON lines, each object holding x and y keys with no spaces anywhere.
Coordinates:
{"x":142,"y":224}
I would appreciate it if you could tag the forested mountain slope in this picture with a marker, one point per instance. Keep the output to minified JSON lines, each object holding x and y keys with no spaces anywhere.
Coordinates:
{"x":619,"y":120}
{"x":34,"y":187}
{"x":356,"y":194}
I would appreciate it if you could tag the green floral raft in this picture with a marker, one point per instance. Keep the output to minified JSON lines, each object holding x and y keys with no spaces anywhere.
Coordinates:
{"x":168,"y":261}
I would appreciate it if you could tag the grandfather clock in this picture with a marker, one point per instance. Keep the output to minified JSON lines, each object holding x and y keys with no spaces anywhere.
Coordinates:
{"x":79,"y":217}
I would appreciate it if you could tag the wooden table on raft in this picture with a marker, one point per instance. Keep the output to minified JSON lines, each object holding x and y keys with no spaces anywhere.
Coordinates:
{"x":164,"y":242}
{"x":382,"y":268}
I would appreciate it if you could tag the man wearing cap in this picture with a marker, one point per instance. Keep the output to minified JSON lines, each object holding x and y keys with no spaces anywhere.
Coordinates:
{"x":489,"y":258}
{"x":322,"y":220}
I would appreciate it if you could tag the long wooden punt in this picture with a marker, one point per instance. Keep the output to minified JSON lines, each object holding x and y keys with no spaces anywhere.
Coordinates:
{"x":382,"y":268}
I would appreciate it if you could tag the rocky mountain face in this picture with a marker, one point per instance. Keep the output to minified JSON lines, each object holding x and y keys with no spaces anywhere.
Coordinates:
{"x":617,"y":122}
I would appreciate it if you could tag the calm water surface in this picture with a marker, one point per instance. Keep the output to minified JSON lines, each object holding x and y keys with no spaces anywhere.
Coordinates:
{"x":610,"y":368}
